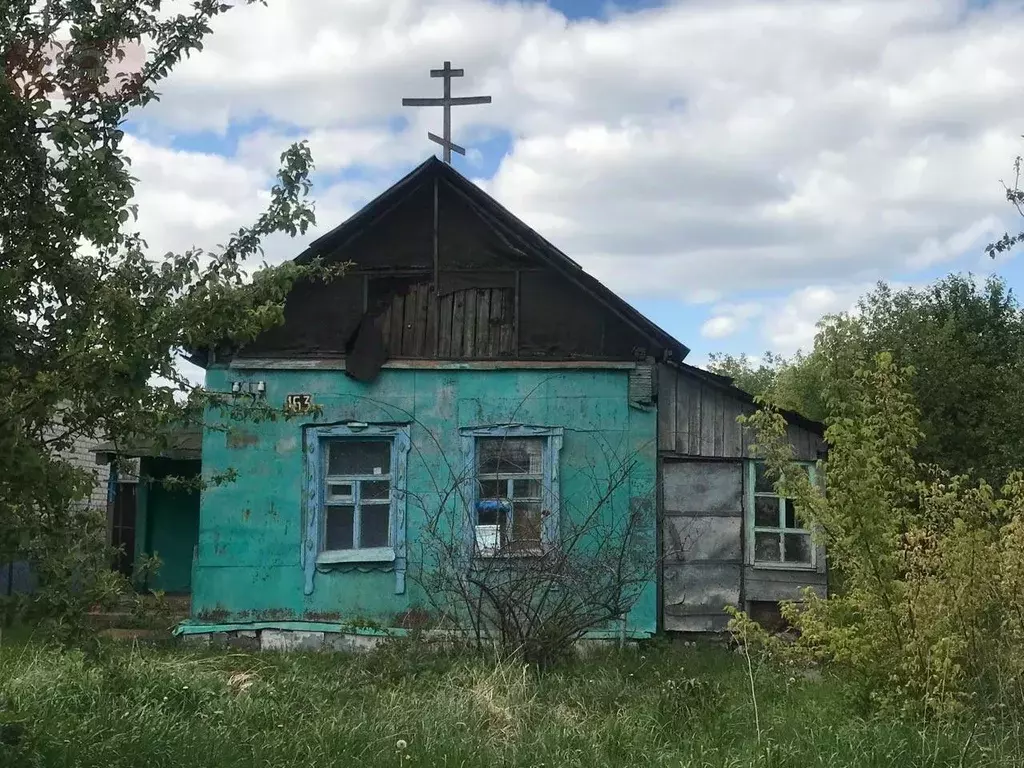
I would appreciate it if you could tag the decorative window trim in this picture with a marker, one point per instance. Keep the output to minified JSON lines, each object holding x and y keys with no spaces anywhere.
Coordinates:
{"x":551,"y":484}
{"x":393,"y":557}
{"x":750,"y":495}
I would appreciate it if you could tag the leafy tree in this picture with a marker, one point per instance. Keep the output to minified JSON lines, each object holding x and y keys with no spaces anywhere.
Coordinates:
{"x":965,"y":339}
{"x":89,"y":320}
{"x":792,"y":383}
{"x":752,"y":376}
{"x":927,"y":615}
{"x":966,"y":343}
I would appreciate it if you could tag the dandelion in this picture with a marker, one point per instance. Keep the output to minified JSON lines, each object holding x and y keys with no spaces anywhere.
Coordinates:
{"x":401,"y":745}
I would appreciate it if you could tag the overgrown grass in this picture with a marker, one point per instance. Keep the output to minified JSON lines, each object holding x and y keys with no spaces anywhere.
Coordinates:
{"x":408,"y":706}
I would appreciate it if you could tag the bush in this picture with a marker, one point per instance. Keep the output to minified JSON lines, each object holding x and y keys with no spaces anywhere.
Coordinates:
{"x":927,"y":611}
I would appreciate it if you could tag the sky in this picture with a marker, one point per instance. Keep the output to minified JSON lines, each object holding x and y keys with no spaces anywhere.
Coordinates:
{"x":734,"y":169}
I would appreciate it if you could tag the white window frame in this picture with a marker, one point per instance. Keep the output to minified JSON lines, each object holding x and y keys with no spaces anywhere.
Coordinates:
{"x":752,"y":529}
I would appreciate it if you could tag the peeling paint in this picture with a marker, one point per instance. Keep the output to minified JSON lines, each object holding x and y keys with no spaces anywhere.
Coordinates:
{"x":413,"y":618}
{"x":214,"y":616}
{"x":241,"y":438}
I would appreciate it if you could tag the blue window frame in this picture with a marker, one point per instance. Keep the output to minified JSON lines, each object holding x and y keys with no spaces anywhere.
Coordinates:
{"x":355,"y":497}
{"x":776,"y":538}
{"x":512,"y":488}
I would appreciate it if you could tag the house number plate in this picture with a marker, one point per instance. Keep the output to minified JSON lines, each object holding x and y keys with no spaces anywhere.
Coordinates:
{"x":298,"y":403}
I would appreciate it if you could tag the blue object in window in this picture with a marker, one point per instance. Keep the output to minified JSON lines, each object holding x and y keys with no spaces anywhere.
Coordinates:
{"x":493,"y":505}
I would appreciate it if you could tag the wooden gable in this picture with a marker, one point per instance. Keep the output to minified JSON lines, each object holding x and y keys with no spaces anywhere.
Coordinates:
{"x":697,"y":413}
{"x":440,"y":271}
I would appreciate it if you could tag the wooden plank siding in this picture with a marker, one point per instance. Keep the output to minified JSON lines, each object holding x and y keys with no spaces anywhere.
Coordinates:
{"x":698,"y":418}
{"x":474,"y":323}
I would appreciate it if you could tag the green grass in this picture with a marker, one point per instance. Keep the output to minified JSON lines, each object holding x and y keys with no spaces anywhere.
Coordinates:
{"x":658,"y":706}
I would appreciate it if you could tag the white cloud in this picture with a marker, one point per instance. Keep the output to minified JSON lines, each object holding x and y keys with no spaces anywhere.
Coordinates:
{"x":718,"y":327}
{"x":194,"y":199}
{"x":728,"y":319}
{"x":791,"y":323}
{"x":696,"y":152}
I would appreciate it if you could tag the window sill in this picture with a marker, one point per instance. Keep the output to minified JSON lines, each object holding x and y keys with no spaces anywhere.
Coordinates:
{"x":524,"y":553}
{"x":784,"y":566}
{"x":376,"y":555}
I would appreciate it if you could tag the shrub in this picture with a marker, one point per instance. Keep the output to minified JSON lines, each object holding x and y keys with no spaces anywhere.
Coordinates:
{"x":927,"y":610}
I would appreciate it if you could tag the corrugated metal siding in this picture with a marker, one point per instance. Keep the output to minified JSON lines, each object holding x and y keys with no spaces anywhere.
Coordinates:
{"x":697,"y":418}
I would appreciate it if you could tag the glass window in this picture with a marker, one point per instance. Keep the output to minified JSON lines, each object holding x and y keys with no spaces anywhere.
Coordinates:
{"x":357,"y":496}
{"x":779,"y":537}
{"x":510,"y":476}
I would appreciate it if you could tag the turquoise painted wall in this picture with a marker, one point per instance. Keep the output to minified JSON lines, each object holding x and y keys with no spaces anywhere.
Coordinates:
{"x":251,"y":529}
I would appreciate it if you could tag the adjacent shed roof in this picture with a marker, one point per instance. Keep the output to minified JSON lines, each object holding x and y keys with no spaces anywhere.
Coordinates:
{"x":182,"y":443}
{"x":727,"y":383}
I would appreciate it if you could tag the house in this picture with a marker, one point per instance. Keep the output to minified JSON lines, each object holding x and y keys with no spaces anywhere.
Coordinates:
{"x":462,"y":351}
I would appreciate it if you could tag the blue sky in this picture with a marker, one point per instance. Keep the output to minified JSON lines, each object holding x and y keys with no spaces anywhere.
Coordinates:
{"x":734,"y":169}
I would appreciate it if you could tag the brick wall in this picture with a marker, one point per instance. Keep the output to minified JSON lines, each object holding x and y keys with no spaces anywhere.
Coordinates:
{"x":80,"y":454}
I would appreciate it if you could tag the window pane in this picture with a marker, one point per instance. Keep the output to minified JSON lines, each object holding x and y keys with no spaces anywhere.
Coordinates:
{"x":798,"y":548}
{"x":791,"y":519}
{"x":510,"y":456}
{"x":373,"y":526}
{"x":526,"y":489}
{"x":493,"y":489}
{"x":359,"y":457}
{"x":374,"y":489}
{"x":526,"y":526}
{"x":339,"y":491}
{"x":767,"y":548}
{"x":762,"y":483}
{"x":338,"y":527}
{"x":488,"y":538}
{"x":766,"y":511}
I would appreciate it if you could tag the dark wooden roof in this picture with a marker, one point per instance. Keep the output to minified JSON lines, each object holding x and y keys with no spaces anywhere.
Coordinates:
{"x":518,"y":238}
{"x":513,"y":231}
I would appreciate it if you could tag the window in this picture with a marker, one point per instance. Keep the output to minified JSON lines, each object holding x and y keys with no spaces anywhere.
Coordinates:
{"x":355,"y":497}
{"x":510,"y":479}
{"x":514,"y":496}
{"x":776,"y":538}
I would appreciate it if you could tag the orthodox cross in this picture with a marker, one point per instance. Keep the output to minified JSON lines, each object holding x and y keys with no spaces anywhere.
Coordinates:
{"x":445,"y":140}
